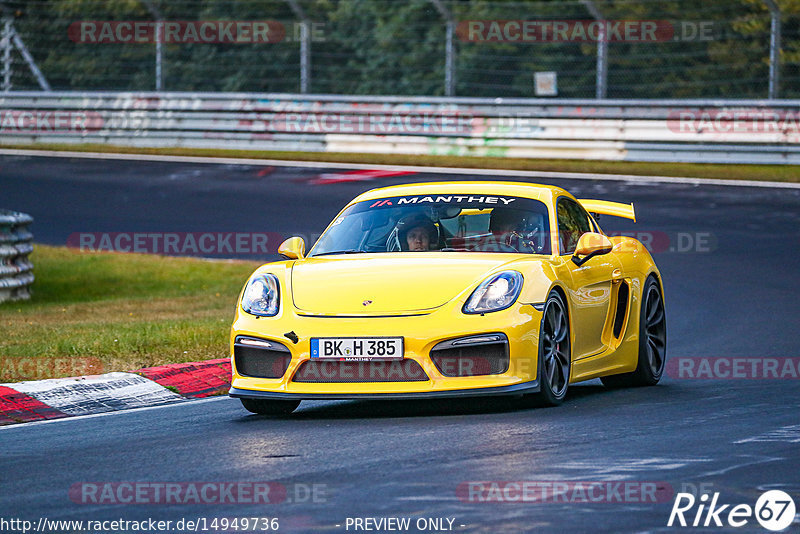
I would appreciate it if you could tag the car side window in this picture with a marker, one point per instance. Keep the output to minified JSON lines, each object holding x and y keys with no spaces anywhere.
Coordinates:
{"x":573,"y":222}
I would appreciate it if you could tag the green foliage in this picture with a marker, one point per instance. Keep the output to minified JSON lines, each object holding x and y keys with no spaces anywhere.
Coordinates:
{"x":101,"y":312}
{"x":398,"y":47}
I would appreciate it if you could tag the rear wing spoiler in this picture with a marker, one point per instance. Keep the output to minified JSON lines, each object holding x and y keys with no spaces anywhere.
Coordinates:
{"x":604,"y":207}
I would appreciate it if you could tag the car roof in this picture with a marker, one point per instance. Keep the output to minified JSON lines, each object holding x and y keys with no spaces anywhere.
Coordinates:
{"x":485,"y":187}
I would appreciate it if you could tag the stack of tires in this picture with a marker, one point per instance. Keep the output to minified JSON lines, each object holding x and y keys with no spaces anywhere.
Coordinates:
{"x":16,"y":243}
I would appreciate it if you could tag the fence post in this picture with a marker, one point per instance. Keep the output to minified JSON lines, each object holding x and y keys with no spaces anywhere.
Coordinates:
{"x":602,"y":51}
{"x":305,"y":45}
{"x":449,"y":50}
{"x":16,"y":270}
{"x":159,"y":36}
{"x":12,"y":39}
{"x":7,"y":54}
{"x":159,"y":54}
{"x":774,"y":47}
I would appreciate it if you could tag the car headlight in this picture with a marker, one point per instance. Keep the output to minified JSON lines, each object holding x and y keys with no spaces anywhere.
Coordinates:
{"x":262,"y":295}
{"x":496,"y":293}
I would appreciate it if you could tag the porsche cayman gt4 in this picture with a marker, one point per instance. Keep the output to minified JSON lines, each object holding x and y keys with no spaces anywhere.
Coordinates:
{"x":451,"y":289}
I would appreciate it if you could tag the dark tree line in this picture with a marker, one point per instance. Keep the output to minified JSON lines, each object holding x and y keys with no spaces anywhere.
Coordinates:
{"x":398,"y":47}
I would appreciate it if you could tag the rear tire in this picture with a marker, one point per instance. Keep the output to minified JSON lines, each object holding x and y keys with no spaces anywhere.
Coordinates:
{"x":652,"y":342}
{"x":269,"y":406}
{"x":555,"y":354}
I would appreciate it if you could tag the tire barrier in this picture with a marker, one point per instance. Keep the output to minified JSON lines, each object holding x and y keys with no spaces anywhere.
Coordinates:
{"x":16,"y":269}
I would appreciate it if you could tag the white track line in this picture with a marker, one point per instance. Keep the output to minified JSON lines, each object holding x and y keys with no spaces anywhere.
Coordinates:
{"x":413,"y":168}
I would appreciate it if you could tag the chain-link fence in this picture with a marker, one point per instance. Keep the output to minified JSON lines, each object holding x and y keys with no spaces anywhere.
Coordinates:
{"x":572,"y":49}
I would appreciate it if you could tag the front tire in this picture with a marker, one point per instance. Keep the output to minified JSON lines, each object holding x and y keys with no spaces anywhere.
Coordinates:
{"x":555,"y":354}
{"x":269,"y":406}
{"x":652,"y":342}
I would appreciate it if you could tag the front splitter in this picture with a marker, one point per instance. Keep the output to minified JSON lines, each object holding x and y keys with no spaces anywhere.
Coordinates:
{"x":515,"y":389}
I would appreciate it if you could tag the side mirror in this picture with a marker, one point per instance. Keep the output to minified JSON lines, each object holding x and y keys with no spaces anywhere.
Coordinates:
{"x":293,"y":248}
{"x":591,"y":244}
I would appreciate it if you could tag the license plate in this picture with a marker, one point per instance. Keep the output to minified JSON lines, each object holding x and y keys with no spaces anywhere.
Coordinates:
{"x":357,"y":348}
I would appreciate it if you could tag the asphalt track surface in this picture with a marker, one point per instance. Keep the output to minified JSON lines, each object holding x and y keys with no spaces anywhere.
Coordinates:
{"x":732,"y":293}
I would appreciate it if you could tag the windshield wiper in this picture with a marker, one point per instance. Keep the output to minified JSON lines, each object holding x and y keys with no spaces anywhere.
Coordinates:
{"x":350,"y":251}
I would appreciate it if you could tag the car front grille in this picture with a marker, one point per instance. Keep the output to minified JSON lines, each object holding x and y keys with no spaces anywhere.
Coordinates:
{"x":267,"y":360}
{"x":479,"y":355}
{"x":315,"y":371}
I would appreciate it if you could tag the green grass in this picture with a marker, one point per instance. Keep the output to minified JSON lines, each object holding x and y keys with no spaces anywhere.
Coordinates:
{"x":776,"y":173}
{"x":103,"y":312}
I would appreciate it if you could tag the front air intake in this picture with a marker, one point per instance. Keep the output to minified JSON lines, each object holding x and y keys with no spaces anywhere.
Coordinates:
{"x":480,"y":355}
{"x":260,"y":358}
{"x":327,"y":371}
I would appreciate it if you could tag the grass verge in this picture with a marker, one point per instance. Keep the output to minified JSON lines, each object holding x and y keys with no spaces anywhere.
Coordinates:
{"x":103,"y":312}
{"x":775,"y":173}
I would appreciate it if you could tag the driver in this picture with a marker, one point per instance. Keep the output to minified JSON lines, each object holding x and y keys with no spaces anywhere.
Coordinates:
{"x":414,"y":233}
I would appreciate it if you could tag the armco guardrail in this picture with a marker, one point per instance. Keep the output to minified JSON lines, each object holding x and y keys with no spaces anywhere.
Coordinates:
{"x":16,"y":270}
{"x":723,"y":131}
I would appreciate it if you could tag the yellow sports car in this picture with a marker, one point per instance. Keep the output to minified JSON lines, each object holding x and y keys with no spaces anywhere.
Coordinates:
{"x":451,"y":289}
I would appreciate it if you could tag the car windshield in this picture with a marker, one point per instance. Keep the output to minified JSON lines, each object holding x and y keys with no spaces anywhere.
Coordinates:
{"x":449,"y":223}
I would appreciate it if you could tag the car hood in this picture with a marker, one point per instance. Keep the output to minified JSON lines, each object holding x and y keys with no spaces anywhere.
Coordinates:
{"x":388,"y":283}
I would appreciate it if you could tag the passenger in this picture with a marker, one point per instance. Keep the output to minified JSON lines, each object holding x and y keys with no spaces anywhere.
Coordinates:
{"x":517,"y":229}
{"x":504,"y":221}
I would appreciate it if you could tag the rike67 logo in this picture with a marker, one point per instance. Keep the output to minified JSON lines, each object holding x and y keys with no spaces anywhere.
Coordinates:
{"x":774,"y":510}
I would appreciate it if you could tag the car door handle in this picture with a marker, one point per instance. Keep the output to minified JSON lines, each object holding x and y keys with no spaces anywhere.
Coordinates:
{"x":616,"y":274}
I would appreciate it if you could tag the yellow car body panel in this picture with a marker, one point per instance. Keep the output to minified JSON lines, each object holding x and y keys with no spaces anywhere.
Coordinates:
{"x":391,"y":281}
{"x":420,"y":297}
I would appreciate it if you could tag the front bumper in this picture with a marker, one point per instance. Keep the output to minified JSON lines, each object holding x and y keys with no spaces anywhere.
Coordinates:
{"x":421,"y":333}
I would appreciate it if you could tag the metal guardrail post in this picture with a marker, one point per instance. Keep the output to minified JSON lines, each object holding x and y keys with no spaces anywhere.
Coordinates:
{"x":23,"y":50}
{"x":602,"y":50}
{"x":159,"y":37}
{"x":7,"y":45}
{"x":305,"y":45}
{"x":450,"y":48}
{"x":449,"y":68}
{"x":774,"y":47}
{"x":11,"y":39}
{"x":159,"y":55}
{"x":16,"y":270}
